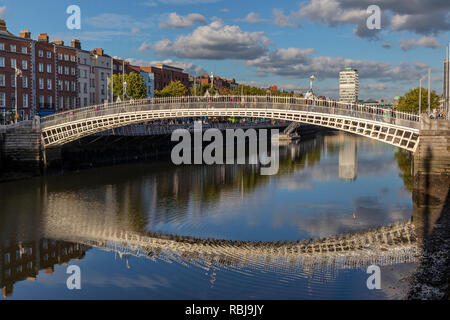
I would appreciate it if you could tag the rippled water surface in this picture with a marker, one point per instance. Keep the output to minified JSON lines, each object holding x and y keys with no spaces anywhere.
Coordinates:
{"x":157,"y":231}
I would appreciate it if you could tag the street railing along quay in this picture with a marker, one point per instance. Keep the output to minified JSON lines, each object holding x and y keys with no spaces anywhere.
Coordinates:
{"x":358,"y":111}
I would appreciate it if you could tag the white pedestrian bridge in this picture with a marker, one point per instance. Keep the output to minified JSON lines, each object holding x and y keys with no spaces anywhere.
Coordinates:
{"x":396,"y":128}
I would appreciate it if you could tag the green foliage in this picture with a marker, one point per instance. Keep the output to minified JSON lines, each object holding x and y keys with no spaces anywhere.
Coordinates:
{"x":135,"y":86}
{"x":410,"y":101}
{"x":173,"y":89}
{"x":404,"y":162}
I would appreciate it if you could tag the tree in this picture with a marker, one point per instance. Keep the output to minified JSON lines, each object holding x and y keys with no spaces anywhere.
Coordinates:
{"x":135,"y":86}
{"x":173,"y":89}
{"x":410,"y":101}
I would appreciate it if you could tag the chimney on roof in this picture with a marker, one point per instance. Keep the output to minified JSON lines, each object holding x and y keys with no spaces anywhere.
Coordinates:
{"x":98,"y":51}
{"x":2,"y":25}
{"x":25,"y":34}
{"x":76,"y":44}
{"x":58,"y":42}
{"x":43,"y":37}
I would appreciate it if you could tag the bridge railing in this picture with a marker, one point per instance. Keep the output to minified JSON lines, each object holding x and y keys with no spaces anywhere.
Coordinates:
{"x":229,"y":102}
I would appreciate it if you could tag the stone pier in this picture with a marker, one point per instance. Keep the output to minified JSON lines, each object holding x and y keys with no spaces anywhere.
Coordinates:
{"x":20,"y":147}
{"x":431,"y":217}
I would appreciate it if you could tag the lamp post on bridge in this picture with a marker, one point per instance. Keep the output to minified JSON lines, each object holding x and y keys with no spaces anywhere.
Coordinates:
{"x":17,"y":73}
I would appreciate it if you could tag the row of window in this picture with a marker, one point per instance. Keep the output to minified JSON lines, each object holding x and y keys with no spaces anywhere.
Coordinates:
{"x":62,"y":85}
{"x":13,"y":63}
{"x":64,"y":102}
{"x":13,"y":48}
{"x":115,"y":67}
{"x":25,"y":101}
{"x":13,"y":81}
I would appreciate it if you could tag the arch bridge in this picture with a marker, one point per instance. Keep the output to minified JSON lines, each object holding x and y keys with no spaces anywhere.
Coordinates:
{"x":396,"y":128}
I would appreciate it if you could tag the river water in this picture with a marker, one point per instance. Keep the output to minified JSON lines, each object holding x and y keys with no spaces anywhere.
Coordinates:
{"x":157,"y":231}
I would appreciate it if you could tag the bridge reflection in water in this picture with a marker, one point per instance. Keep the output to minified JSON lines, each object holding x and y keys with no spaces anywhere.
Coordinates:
{"x":104,"y":218}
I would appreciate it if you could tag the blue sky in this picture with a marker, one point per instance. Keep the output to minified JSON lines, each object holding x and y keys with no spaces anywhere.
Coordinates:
{"x":258,"y":42}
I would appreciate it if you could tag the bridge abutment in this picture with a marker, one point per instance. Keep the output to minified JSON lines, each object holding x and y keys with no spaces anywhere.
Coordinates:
{"x":21,"y":148}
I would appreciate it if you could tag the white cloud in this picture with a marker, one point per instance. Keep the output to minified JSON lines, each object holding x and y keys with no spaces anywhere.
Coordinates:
{"x":144,"y":47}
{"x":422,"y":17}
{"x":176,"y":21}
{"x":252,"y":17}
{"x":215,"y":41}
{"x":2,"y":11}
{"x":425,"y":41}
{"x":188,"y":67}
{"x":300,"y":64}
{"x":281,"y":20}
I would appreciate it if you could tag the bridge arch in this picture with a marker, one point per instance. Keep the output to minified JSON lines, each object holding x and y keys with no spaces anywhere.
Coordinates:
{"x":395,"y":128}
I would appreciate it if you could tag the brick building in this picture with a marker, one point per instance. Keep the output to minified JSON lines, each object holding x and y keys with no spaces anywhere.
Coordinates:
{"x":66,"y":76}
{"x":15,"y":52}
{"x":165,"y":74}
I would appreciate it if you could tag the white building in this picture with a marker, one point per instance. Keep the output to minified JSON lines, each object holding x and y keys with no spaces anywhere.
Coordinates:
{"x":86,"y":79}
{"x":103,"y":65}
{"x":348,"y":85}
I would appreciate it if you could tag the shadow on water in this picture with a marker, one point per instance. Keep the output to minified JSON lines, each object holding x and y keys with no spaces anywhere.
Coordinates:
{"x":431,"y":199}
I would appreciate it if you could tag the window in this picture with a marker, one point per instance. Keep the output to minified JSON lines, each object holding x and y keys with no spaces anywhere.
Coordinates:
{"x":60,"y":57}
{"x":115,"y":67}
{"x":72,"y":58}
{"x":13,"y":63}
{"x":13,"y":81}
{"x":41,"y":53}
{"x":60,"y":69}
{"x":2,"y":80}
{"x":24,"y":65}
{"x":2,"y":62}
{"x":2,"y":99}
{"x":24,"y":82}
{"x":49,"y":55}
{"x":66,"y":57}
{"x":41,"y":67}
{"x":74,"y":86}
{"x":25,"y":100}
{"x":49,"y":68}
{"x":41,"y":83}
{"x":102,"y":76}
{"x":13,"y":48}
{"x":60,"y":85}
{"x":2,"y":46}
{"x":7,"y":255}
{"x":73,"y":71}
{"x":120,"y":68}
{"x":24,"y":50}
{"x":49,"y":84}
{"x":61,"y":103}
{"x":66,"y":70}
{"x":85,"y":87}
{"x":74,"y":104}
{"x":68,"y":102}
{"x":50,"y":101}
{"x":67,"y":85}
{"x":41,"y":101}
